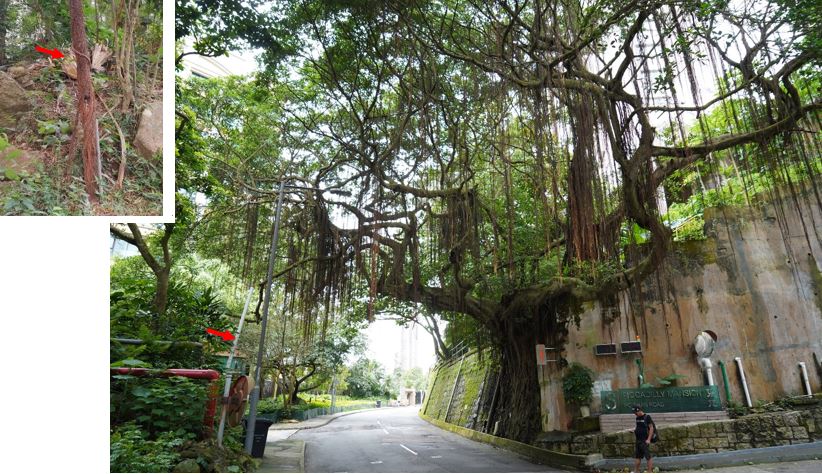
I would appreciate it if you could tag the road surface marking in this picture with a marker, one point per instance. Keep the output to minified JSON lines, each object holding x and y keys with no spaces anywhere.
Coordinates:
{"x":386,"y":431}
{"x":378,"y":422}
{"x":376,"y":462}
{"x":435,"y":457}
{"x":412,"y":452}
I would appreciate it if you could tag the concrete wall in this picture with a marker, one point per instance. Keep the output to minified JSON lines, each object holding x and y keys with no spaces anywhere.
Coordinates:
{"x":755,"y":281}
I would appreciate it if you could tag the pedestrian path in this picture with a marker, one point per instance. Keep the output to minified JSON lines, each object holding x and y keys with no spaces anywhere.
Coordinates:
{"x":790,"y":466}
{"x":810,"y":452}
{"x":284,"y":455}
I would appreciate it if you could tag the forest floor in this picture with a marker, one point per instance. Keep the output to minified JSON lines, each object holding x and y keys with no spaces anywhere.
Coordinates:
{"x":37,"y":117}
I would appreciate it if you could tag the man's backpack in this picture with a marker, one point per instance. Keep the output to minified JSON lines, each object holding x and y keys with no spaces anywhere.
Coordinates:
{"x":655,"y":436}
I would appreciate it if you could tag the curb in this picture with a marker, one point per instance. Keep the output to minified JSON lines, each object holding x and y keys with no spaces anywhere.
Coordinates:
{"x":542,"y":456}
{"x":690,"y":462}
{"x":327,"y":421}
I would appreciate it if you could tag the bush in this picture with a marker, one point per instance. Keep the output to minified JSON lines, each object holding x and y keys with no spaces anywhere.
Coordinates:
{"x":577,"y":384}
{"x":132,"y":451}
{"x":157,"y":405}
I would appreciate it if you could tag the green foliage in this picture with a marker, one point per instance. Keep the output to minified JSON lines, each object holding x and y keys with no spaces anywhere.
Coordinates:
{"x":192,"y":306}
{"x":578,"y":384}
{"x":132,"y":450}
{"x":669,"y":380}
{"x":158,"y":404}
{"x":367,"y":378}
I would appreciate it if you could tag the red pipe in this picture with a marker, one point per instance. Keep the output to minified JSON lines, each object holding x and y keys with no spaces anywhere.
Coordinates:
{"x":190,"y":373}
{"x":207,"y":374}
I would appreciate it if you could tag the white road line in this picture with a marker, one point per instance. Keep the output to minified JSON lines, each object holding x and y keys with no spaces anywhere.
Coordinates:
{"x":378,"y":422}
{"x":376,"y":462}
{"x":386,"y":431}
{"x":412,"y":452}
{"x":435,"y":457}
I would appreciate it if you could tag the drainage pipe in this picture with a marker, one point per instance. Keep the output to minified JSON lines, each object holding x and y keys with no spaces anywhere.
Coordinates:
{"x":228,"y":368}
{"x":725,"y":381}
{"x":707,"y":369}
{"x":804,"y":370}
{"x":744,"y":381}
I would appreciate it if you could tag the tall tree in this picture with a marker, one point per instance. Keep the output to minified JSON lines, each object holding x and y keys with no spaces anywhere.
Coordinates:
{"x":160,"y":266}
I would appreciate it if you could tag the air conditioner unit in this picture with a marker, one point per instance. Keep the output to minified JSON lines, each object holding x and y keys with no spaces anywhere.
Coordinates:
{"x":630,"y":346}
{"x":605,"y":349}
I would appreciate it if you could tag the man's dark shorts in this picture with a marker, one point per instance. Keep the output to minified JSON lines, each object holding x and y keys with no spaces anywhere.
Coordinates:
{"x":643,"y":450}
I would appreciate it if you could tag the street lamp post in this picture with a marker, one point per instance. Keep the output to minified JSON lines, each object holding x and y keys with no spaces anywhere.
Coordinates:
{"x":255,"y":392}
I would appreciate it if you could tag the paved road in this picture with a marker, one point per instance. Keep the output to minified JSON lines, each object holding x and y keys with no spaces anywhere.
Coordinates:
{"x":398,"y":440}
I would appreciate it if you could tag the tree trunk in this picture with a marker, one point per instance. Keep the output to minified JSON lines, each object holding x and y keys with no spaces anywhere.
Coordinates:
{"x":161,"y":294}
{"x":518,"y":409}
{"x":4,"y":8}
{"x":85,"y":100}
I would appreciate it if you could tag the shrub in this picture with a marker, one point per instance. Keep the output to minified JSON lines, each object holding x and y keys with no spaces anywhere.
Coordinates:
{"x":157,"y":405}
{"x":577,"y":384}
{"x":132,"y":451}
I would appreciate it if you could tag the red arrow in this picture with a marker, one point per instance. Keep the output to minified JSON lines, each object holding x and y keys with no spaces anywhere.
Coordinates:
{"x":227,"y":336}
{"x":54,"y":53}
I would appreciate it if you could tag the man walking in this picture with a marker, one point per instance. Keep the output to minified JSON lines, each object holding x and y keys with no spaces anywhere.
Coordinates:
{"x":644,"y":431}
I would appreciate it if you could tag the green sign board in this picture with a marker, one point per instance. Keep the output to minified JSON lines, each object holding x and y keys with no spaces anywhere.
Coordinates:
{"x":658,"y":400}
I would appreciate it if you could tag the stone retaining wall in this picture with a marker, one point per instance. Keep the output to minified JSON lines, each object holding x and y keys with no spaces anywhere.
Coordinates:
{"x":753,"y":431}
{"x":618,"y":422}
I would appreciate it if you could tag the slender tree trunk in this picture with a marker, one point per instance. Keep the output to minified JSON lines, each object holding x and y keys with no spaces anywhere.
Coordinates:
{"x":4,"y":9}
{"x":161,"y":294}
{"x":85,"y":100}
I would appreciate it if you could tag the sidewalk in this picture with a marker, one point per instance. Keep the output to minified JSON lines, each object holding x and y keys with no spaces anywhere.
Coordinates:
{"x":748,"y":458}
{"x":285,"y":455}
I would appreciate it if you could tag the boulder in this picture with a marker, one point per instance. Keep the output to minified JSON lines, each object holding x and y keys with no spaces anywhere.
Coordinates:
{"x":15,"y":163}
{"x":14,"y":103}
{"x":187,"y":465}
{"x":149,"y":139}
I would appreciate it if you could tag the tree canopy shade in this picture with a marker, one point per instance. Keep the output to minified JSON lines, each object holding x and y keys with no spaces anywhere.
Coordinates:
{"x":490,"y":159}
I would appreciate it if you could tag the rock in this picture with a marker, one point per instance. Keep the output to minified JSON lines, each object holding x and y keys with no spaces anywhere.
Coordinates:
{"x":14,"y":103}
{"x":149,"y":139}
{"x":187,"y":465}
{"x":16,"y":163}
{"x":17,"y":72}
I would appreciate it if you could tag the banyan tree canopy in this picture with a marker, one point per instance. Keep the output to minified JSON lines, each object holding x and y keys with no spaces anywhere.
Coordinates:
{"x":500,"y":160}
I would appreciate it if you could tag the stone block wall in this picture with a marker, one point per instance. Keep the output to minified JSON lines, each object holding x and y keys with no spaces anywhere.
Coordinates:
{"x":753,"y":431}
{"x":471,"y":380}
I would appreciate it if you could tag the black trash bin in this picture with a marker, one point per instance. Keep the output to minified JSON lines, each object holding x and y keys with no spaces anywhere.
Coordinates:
{"x":379,"y":403}
{"x":261,"y":426}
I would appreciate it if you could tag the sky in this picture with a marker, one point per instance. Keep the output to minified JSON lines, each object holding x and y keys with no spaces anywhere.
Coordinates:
{"x":384,"y":338}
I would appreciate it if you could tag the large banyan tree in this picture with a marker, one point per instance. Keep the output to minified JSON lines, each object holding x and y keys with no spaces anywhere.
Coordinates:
{"x":486,"y":158}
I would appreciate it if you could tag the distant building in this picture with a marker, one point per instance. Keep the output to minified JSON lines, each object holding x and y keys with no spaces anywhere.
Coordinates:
{"x":409,"y":343}
{"x":219,"y":66}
